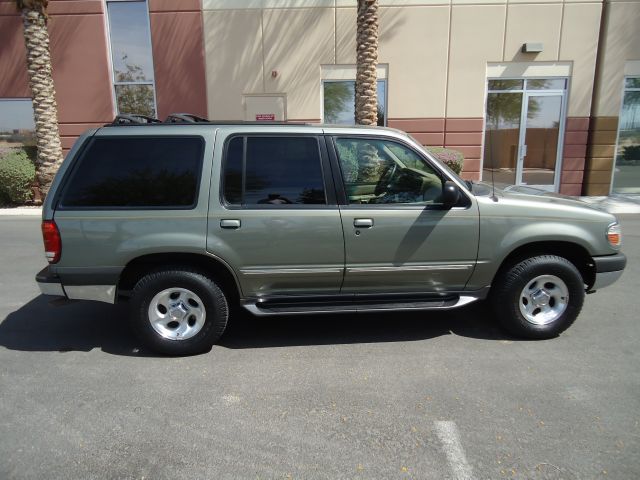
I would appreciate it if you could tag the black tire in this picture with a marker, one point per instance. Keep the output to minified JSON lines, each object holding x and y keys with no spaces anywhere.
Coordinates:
{"x":510,"y":284}
{"x":215,"y":307}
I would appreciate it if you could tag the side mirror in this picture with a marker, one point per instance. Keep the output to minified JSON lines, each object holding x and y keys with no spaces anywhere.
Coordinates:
{"x":450,"y":194}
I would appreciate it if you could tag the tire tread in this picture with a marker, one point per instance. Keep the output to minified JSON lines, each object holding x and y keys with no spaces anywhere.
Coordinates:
{"x":511,"y":277}
{"x":184,"y":347}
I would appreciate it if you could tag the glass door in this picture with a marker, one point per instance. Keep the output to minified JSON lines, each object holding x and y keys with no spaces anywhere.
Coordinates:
{"x":539,"y":150}
{"x":524,"y":129}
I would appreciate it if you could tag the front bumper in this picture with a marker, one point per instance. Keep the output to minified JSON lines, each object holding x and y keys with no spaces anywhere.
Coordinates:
{"x":608,"y":269}
{"x":51,"y":284}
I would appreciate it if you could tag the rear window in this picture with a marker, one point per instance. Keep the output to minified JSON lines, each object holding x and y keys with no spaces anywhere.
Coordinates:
{"x":142,"y":172}
{"x":273,"y":171}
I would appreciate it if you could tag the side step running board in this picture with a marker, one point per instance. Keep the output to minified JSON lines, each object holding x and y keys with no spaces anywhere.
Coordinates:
{"x":292,"y":306}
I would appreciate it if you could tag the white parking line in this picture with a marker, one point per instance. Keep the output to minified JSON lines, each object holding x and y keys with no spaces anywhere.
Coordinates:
{"x":448,"y":434}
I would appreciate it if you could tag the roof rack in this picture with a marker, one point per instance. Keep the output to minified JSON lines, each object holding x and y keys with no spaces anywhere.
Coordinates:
{"x":133,"y":118}
{"x":184,"y":118}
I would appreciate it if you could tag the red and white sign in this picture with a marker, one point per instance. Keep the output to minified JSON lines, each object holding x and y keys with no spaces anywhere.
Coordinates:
{"x":265,"y":117}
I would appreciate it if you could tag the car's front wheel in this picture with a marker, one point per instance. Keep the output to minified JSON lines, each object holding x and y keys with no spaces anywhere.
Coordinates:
{"x":538,"y":297}
{"x":178,"y":312}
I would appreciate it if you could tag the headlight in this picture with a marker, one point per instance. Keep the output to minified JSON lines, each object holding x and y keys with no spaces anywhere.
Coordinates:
{"x":614,"y":235}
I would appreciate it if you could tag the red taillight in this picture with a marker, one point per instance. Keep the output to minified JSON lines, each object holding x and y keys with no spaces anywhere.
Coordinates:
{"x":52,"y":242}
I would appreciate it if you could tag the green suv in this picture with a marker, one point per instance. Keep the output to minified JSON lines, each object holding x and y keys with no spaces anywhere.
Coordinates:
{"x":187,"y":219}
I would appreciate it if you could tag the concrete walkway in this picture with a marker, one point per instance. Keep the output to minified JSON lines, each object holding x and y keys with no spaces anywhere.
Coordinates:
{"x":612,"y":204}
{"x":21,"y":211}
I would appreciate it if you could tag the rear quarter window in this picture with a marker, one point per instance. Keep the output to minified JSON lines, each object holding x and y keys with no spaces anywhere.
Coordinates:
{"x":136,"y":173}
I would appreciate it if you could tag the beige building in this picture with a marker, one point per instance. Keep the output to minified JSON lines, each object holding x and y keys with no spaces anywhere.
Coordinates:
{"x":529,"y":91}
{"x":542,"y":93}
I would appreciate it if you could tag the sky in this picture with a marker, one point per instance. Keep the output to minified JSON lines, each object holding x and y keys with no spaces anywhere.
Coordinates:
{"x":16,"y":113}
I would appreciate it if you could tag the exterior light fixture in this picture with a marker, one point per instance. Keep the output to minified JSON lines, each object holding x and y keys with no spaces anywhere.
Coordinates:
{"x":532,"y":47}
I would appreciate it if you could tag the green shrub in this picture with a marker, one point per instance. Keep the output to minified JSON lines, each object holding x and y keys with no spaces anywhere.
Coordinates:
{"x":451,"y":158}
{"x":631,"y":153}
{"x":4,"y":200}
{"x":16,"y":177}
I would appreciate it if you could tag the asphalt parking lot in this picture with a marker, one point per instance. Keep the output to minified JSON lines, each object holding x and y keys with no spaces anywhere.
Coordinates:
{"x":435,"y":396}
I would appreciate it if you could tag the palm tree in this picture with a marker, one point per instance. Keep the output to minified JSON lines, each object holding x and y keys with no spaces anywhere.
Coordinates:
{"x":45,"y":110}
{"x":367,"y":62}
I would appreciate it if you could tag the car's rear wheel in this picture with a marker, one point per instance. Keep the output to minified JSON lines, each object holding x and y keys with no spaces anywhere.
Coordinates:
{"x":538,"y":297}
{"x":178,"y":312}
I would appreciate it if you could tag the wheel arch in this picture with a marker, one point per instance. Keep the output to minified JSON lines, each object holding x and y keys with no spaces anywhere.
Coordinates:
{"x":574,"y":252}
{"x":217,"y":268}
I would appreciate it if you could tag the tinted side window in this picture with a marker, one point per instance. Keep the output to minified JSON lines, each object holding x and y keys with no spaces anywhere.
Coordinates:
{"x":233,"y":171}
{"x":137,"y":173}
{"x":278,"y":171}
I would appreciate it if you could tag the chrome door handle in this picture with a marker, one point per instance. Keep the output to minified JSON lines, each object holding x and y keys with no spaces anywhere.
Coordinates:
{"x":363,"y":222}
{"x":230,"y":224}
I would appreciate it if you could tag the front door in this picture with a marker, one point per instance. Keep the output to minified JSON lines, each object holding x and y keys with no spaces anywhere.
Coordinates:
{"x":398,"y":238}
{"x":524,"y":131}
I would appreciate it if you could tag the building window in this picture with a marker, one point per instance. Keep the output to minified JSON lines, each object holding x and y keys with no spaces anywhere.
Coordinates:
{"x":626,"y":178}
{"x":339,"y":102}
{"x":131,"y":57}
{"x":17,"y":127}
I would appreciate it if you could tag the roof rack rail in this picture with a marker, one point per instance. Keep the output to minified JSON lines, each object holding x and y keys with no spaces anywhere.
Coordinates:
{"x":133,"y":118}
{"x":184,"y":118}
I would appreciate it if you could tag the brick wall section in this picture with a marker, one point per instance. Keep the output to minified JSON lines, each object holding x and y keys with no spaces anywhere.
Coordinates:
{"x":603,"y":133}
{"x":178,"y":57}
{"x":465,"y":135}
{"x":80,"y":60}
{"x":462,"y":134}
{"x":574,"y":154}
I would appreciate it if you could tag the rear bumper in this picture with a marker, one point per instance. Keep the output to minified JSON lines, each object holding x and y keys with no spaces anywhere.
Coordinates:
{"x":608,"y":269}
{"x":51,"y":284}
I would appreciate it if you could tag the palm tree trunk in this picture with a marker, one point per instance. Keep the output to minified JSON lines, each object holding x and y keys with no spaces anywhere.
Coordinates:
{"x":45,"y":110}
{"x":366,"y":63}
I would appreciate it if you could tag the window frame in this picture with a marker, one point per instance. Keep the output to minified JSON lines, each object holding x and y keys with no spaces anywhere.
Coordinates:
{"x":115,"y":83}
{"x":82,"y":154}
{"x":327,"y":177}
{"x":341,"y":192}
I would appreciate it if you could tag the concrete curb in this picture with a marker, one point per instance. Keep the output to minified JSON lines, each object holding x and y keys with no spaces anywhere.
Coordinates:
{"x":21,"y":211}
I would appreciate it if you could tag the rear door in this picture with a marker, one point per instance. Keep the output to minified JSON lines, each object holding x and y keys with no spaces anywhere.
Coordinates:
{"x":273,"y":215}
{"x":398,"y":236}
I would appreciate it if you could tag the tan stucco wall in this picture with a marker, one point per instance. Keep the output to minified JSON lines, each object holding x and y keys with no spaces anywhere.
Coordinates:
{"x":477,"y":34}
{"x":295,"y":43}
{"x":621,"y":43}
{"x":579,"y":44}
{"x":230,"y":72}
{"x":437,"y":50}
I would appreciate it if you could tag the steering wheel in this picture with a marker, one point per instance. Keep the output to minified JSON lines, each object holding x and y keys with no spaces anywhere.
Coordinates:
{"x":385,"y":178}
